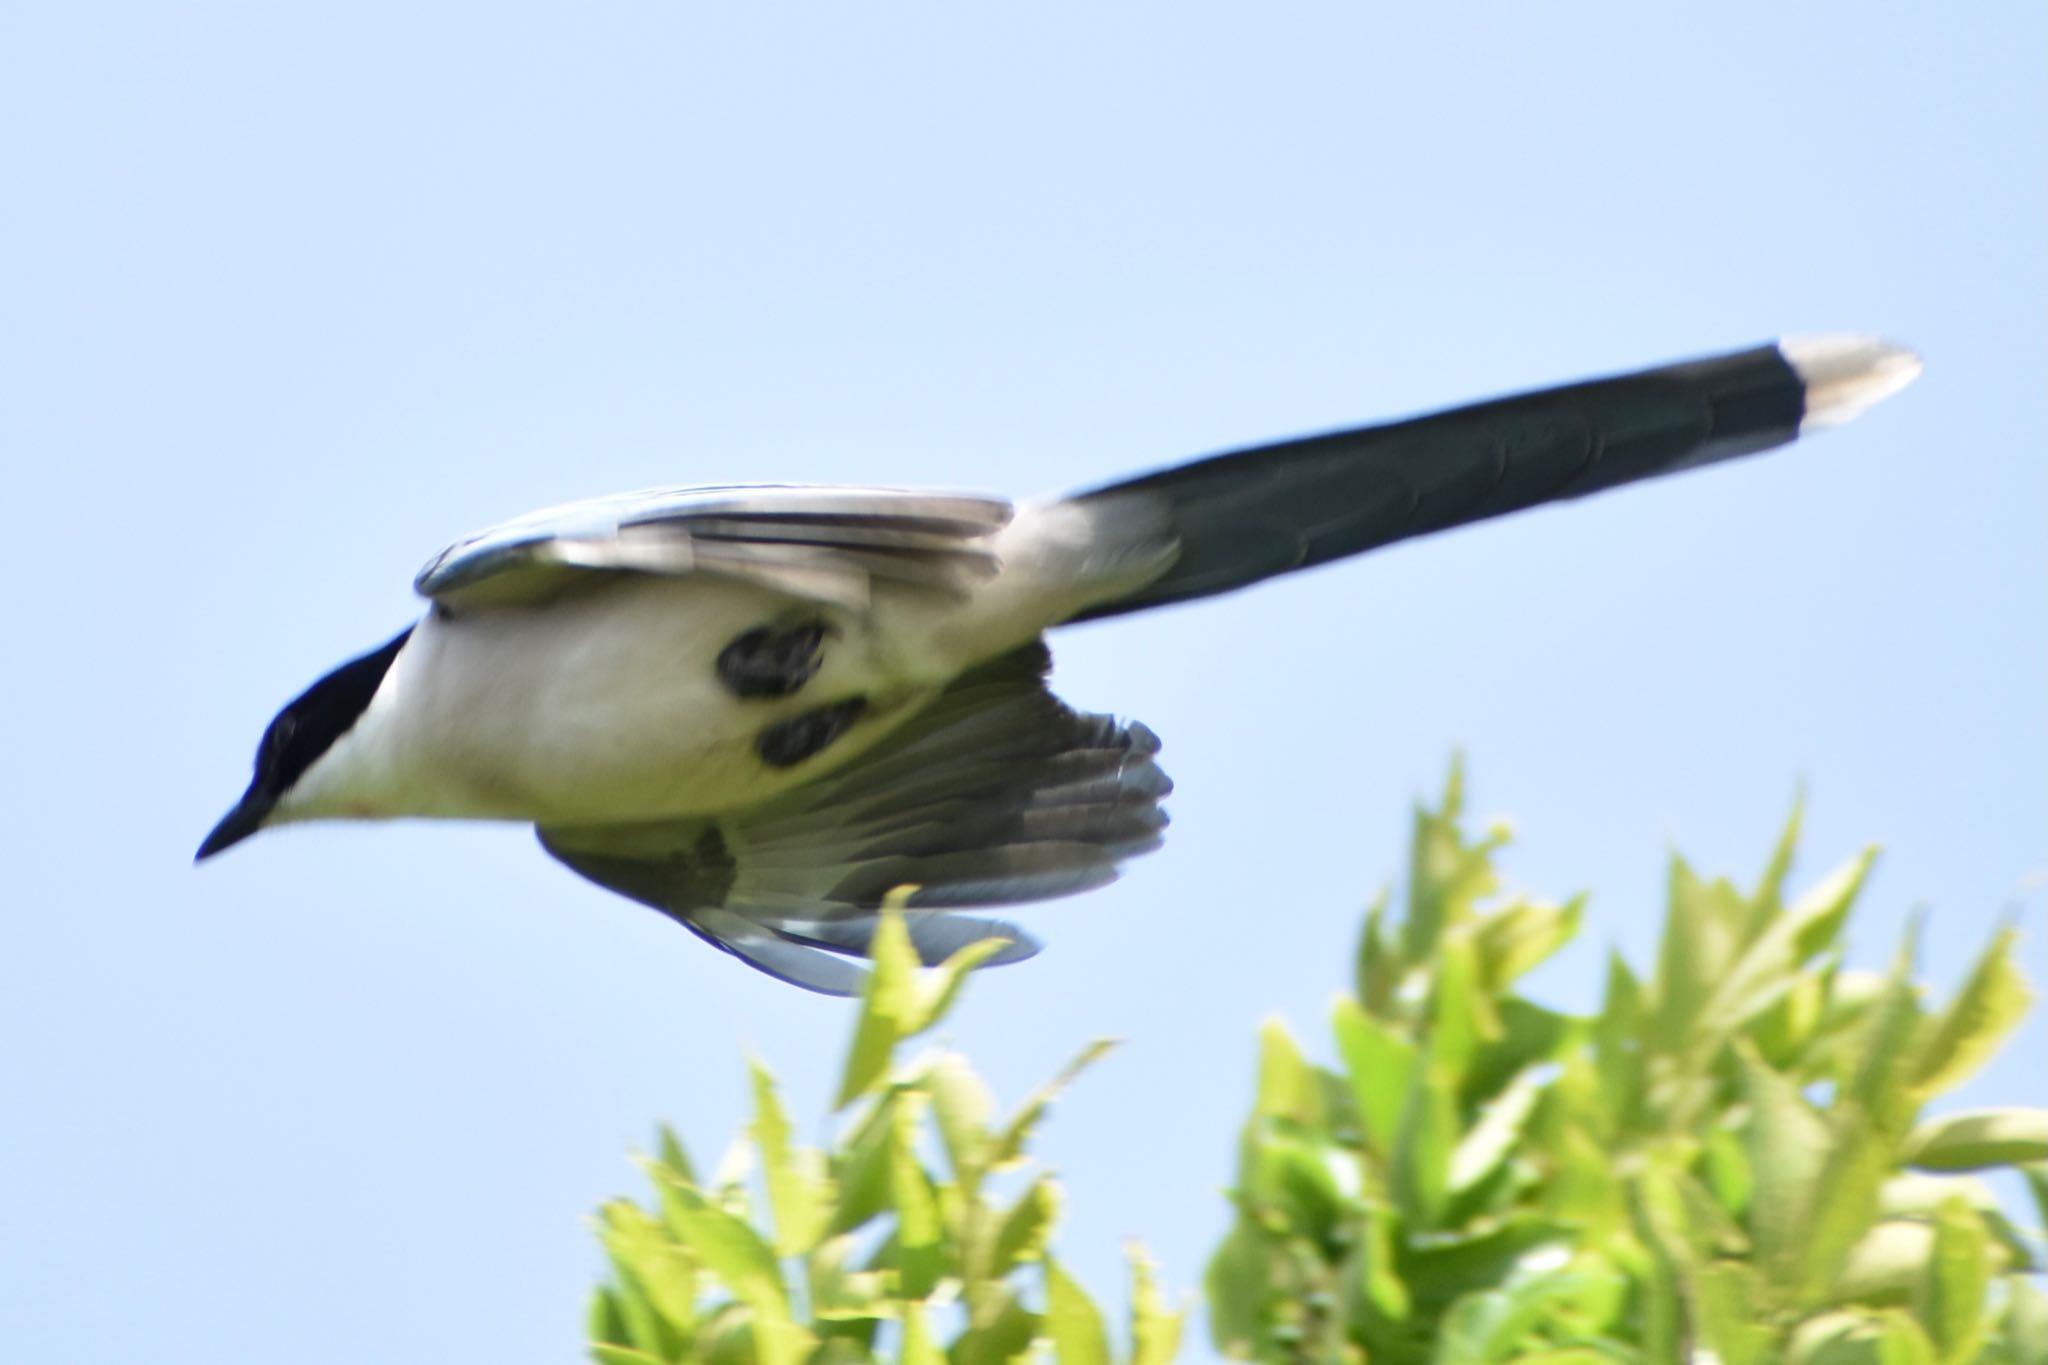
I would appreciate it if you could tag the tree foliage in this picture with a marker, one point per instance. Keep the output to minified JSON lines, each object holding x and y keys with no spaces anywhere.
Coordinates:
{"x":1730,"y":1161}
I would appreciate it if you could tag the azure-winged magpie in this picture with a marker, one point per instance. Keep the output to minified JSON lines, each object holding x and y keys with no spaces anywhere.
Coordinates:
{"x":761,"y":709}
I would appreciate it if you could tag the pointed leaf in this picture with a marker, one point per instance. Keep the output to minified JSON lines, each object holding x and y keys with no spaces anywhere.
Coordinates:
{"x":1844,"y":1204}
{"x":1462,"y":1016}
{"x":1513,"y":941}
{"x":1078,"y":1335}
{"x":1978,"y":1139}
{"x":1155,"y":1325}
{"x":1009,"y":1145}
{"x":729,"y":1248}
{"x":1026,"y":1229}
{"x":1377,"y":977}
{"x":1703,"y":929}
{"x":1487,"y":1143}
{"x":919,"y":1346}
{"x":1987,"y":1009}
{"x":919,"y":1257}
{"x":1731,"y":1299}
{"x":1420,"y":1177}
{"x":1287,"y":1082}
{"x":963,"y":1106}
{"x":861,"y":1168}
{"x":889,"y":1005}
{"x":1001,"y":1330}
{"x":1378,"y":1063}
{"x":1950,"y":1304}
{"x":940,"y":989}
{"x":797,"y":1190}
{"x":2026,"y":1319}
{"x":1789,"y":1146}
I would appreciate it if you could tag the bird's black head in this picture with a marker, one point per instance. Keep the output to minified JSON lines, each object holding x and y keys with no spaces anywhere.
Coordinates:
{"x":305,"y":729}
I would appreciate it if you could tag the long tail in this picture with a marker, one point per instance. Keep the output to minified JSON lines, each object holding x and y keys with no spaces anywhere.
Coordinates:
{"x":1250,"y":514}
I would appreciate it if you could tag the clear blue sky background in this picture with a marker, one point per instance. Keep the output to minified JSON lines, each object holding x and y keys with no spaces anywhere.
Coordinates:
{"x":293,"y":294}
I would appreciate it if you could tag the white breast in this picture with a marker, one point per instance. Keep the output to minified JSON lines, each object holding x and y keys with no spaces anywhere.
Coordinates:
{"x":606,"y":706}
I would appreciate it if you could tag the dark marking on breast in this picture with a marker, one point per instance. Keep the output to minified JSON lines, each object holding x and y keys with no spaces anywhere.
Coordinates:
{"x":787,"y":743}
{"x":771,"y":662}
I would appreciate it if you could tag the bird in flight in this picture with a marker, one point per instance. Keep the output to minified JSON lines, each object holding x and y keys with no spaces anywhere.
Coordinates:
{"x":762,"y":709}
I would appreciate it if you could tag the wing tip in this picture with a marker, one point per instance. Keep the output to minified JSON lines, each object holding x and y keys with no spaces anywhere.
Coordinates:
{"x":1846,"y":374}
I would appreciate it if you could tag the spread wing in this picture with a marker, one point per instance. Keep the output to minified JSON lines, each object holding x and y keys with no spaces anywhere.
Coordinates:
{"x":996,"y":793}
{"x":815,"y":542}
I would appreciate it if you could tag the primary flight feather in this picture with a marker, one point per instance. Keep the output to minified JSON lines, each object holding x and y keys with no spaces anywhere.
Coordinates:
{"x":760,"y":709}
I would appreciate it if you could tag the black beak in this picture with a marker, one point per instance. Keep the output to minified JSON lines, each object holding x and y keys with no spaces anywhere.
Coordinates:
{"x":238,"y":824}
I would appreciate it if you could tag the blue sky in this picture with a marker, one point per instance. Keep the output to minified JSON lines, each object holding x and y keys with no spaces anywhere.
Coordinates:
{"x":294,"y":294}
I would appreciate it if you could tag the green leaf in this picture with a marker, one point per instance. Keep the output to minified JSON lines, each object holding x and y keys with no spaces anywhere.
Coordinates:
{"x":1618,"y":1046}
{"x":919,"y":1347}
{"x":605,"y":1321}
{"x":606,"y":1353}
{"x":2035,"y":1174}
{"x":1879,"y":1083}
{"x":1288,"y":1087}
{"x":798,"y":1191}
{"x":1155,"y":1326}
{"x":919,"y":1256}
{"x":861,"y":1167}
{"x":840,"y":1293}
{"x":1078,"y":1335}
{"x":1789,"y":1145}
{"x":1978,"y":1139}
{"x":1731,"y":1298}
{"x":2026,"y":1320}
{"x":963,"y":1107}
{"x":941,"y":987}
{"x":1767,"y":969}
{"x":889,"y":1004}
{"x":1862,"y":1339}
{"x":1461,"y":1014}
{"x":1950,"y":1303}
{"x":1489,"y":1141}
{"x":1513,"y":941}
{"x":1703,"y":931}
{"x":1845,"y":1202}
{"x":1887,"y":1264}
{"x":1377,"y":977}
{"x":1026,"y":1229}
{"x":729,"y":1248}
{"x":1000,"y":1330}
{"x":1987,"y":1008}
{"x":1446,"y":875}
{"x":1009,"y":1145}
{"x":674,"y":1156}
{"x":1770,"y":888}
{"x":1727,"y":1171}
{"x":1379,"y":1064}
{"x":657,"y":1299}
{"x":1235,"y":1291}
{"x":1420,"y":1176}
{"x":1378,"y":1267}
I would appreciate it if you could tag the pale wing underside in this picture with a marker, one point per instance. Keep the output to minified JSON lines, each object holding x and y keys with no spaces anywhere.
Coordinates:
{"x":997,"y":793}
{"x":820,"y":543}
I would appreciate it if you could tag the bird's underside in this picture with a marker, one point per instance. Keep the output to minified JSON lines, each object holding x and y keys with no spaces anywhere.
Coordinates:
{"x":994,"y":793}
{"x":760,"y":710}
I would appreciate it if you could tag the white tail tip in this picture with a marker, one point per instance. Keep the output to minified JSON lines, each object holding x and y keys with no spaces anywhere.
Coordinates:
{"x":1844,"y":375}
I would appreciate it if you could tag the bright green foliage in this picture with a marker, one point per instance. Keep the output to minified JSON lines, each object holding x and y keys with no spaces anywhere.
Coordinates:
{"x":1728,"y":1162}
{"x":872,"y":1250}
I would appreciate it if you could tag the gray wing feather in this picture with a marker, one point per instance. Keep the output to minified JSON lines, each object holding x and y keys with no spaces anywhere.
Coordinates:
{"x":997,"y":793}
{"x":817,"y":542}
